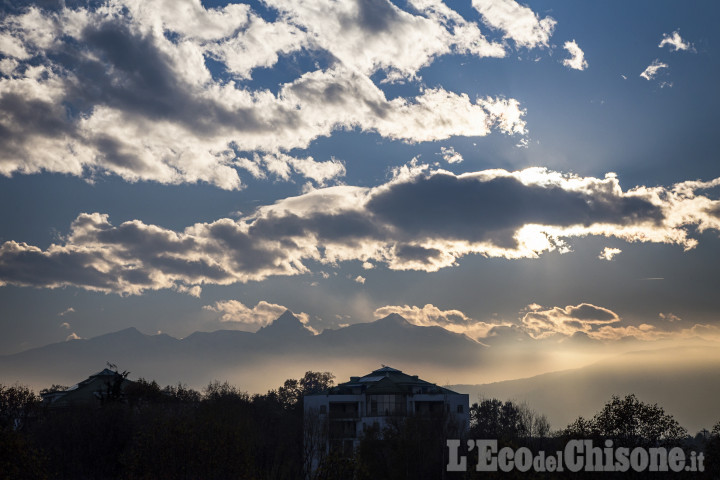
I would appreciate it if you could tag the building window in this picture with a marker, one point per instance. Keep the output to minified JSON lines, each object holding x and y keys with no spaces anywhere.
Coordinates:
{"x":386,"y":405}
{"x":459,"y":409}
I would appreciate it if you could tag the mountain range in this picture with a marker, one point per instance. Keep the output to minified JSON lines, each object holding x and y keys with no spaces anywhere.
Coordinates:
{"x":253,"y":361}
{"x":683,"y":380}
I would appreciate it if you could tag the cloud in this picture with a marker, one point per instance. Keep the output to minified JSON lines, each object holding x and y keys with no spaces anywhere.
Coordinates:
{"x":670,"y":317}
{"x":517,"y":22}
{"x":602,"y":324}
{"x":648,"y":333}
{"x":360,"y":279}
{"x":566,"y":321}
{"x":65,"y":325}
{"x":73,"y":336}
{"x":194,"y":291}
{"x":125,"y":89}
{"x":538,"y":325}
{"x":675,"y":42}
{"x":450,"y":155}
{"x":280,"y":166}
{"x":420,"y":219}
{"x":608,"y":253}
{"x":66,"y":311}
{"x":577,"y":56}
{"x":262,"y":314}
{"x":432,"y":316}
{"x":652,"y":70}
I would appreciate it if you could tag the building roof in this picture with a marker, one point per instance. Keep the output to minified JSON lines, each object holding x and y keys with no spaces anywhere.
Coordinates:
{"x":106,"y":372}
{"x":97,"y":382}
{"x":388,"y":380}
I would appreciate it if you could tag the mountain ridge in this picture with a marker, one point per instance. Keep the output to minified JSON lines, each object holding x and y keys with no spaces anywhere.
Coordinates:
{"x":284,"y":345}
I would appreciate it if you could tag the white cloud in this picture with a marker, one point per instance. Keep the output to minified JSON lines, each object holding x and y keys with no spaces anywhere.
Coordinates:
{"x":652,"y":70}
{"x":608,"y":253}
{"x":12,"y":47}
{"x":675,"y":42}
{"x":66,"y":311}
{"x":517,"y":22}
{"x":450,"y":155}
{"x":194,"y":291}
{"x":368,"y":266}
{"x":320,"y":172}
{"x":65,"y":325}
{"x":73,"y":336}
{"x":577,"y":56}
{"x":599,"y":323}
{"x":670,"y":317}
{"x":360,"y":279}
{"x":262,"y":314}
{"x":165,"y":118}
{"x":566,"y":321}
{"x":368,"y":36}
{"x":432,"y":316}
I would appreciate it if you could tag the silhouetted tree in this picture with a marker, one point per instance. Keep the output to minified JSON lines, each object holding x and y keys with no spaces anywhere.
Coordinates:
{"x":18,"y":457}
{"x":16,"y":403}
{"x":506,"y":421}
{"x":631,"y":422}
{"x":712,"y":453}
{"x":53,"y":389}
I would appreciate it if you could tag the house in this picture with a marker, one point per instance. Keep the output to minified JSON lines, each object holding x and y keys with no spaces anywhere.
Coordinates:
{"x":339,"y":416}
{"x":95,"y":390}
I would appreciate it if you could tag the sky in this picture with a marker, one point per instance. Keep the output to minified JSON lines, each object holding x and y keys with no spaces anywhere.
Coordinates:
{"x":544,"y":170}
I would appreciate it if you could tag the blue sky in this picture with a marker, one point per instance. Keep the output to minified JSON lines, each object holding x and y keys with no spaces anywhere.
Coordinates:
{"x":179,"y":166}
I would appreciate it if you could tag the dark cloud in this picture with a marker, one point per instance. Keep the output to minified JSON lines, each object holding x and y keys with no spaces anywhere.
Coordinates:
{"x":24,"y":265}
{"x":22,"y":119}
{"x":714,"y":211}
{"x":466,"y":208}
{"x":128,"y":71}
{"x":376,"y":16}
{"x":344,"y":227}
{"x":586,"y":311}
{"x":415,"y":253}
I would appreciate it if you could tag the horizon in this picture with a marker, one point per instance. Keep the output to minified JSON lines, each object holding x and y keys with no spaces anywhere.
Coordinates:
{"x":541,"y":178}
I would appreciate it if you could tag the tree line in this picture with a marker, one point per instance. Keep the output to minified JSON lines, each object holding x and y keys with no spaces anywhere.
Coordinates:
{"x":221,"y":432}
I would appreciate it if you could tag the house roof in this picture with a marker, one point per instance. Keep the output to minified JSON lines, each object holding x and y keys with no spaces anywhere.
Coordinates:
{"x":99,"y":380}
{"x":106,"y":372}
{"x":388,"y":380}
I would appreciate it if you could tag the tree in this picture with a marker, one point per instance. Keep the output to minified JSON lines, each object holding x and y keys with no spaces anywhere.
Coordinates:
{"x":182,"y":394}
{"x":143,"y":392}
{"x":291,"y":393}
{"x":630,"y":421}
{"x":224,"y":392}
{"x":114,"y":387}
{"x":54,"y":388}
{"x":316,"y":382}
{"x":16,"y":403}
{"x":712,"y":453}
{"x":506,"y":421}
{"x":315,"y":437}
